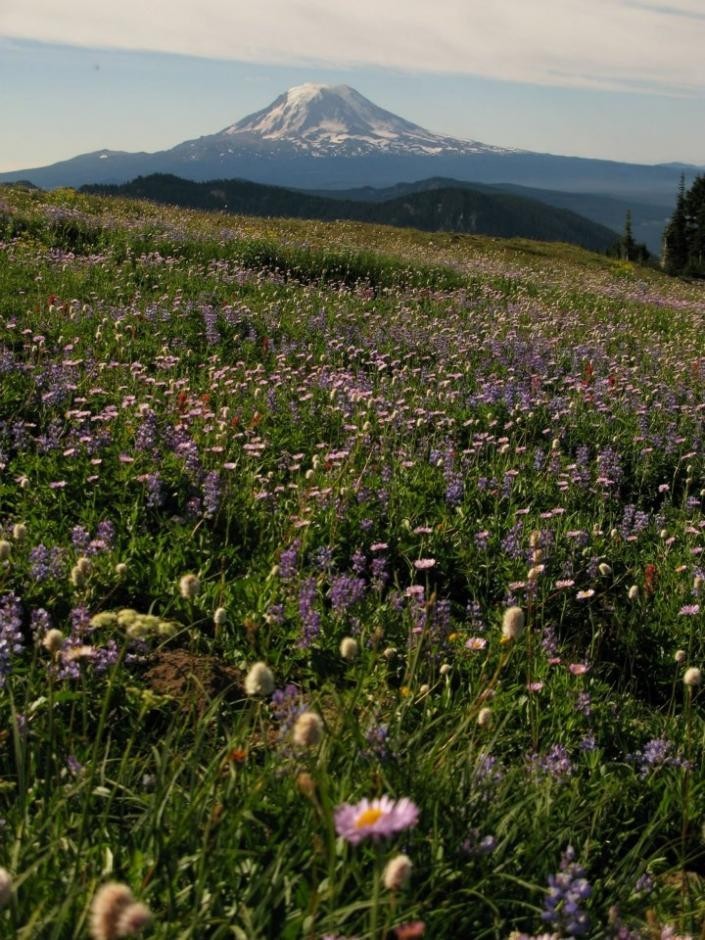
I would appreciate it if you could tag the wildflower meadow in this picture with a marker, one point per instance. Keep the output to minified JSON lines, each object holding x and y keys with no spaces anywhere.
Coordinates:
{"x":351,"y":582}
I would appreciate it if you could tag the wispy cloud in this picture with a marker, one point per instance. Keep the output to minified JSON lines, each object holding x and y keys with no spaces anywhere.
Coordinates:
{"x":625,"y":45}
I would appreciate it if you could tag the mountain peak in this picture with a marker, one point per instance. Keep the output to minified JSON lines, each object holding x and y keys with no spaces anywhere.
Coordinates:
{"x":325,"y":119}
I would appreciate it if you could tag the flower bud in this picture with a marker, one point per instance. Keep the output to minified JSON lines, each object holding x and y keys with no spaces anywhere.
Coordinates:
{"x":396,"y":872}
{"x":5,"y":549}
{"x":19,"y":531}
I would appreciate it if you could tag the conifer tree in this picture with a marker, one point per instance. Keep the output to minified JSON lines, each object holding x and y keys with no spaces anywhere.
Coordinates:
{"x":675,"y":239}
{"x":629,"y":246}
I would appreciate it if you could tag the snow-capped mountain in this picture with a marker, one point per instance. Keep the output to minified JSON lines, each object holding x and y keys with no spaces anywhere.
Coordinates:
{"x":336,"y":119}
{"x":332,"y":137}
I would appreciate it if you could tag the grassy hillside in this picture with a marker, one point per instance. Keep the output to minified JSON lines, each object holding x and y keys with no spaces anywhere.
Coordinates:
{"x":448,"y":489}
{"x":458,"y":208}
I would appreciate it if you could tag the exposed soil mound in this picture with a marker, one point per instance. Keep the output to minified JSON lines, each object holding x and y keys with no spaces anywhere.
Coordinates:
{"x":193,"y":680}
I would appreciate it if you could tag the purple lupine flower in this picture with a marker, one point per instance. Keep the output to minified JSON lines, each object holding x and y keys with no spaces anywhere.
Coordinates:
{"x":310,"y":617}
{"x":376,"y":738}
{"x":39,"y":623}
{"x":345,"y":591}
{"x":555,"y":763}
{"x":568,"y":889}
{"x":105,"y":533}
{"x":286,"y":705}
{"x":212,"y":491}
{"x":657,"y":753}
{"x":476,"y":845}
{"x":155,"y":495}
{"x":358,"y":562}
{"x":80,"y":537}
{"x":288,"y":561}
{"x":10,"y":632}
{"x":374,"y":819}
{"x":45,"y":563}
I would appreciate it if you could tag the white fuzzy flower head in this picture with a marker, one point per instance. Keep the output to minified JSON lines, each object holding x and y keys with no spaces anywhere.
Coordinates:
{"x":512,"y":623}
{"x":259,"y":680}
{"x":484,"y":717}
{"x":220,"y":616}
{"x":5,"y":549}
{"x":19,"y":531}
{"x":308,"y":730}
{"x":680,"y":657}
{"x":189,"y":586}
{"x":77,"y":577}
{"x":390,"y":652}
{"x":633,"y":592}
{"x":109,"y":904}
{"x":445,"y":669}
{"x":348,"y":648}
{"x":121,"y":569}
{"x":692,"y":676}
{"x":133,"y":919}
{"x":604,"y":569}
{"x":53,"y":641}
{"x":397,"y":872}
{"x":5,"y":887}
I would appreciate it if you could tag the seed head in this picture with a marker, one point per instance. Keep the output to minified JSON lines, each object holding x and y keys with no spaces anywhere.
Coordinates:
{"x":133,"y":919}
{"x":259,"y":680}
{"x":53,"y":641}
{"x":692,"y":676}
{"x":680,"y":657}
{"x":121,"y":569}
{"x":397,"y":872}
{"x":109,"y":904}
{"x":5,"y":549}
{"x":512,"y":623}
{"x":308,"y":730}
{"x":348,"y":648}
{"x":484,"y":717}
{"x":77,"y":577}
{"x":633,"y":592}
{"x":604,"y":569}
{"x":189,"y":586}
{"x":19,"y":531}
{"x":220,"y":616}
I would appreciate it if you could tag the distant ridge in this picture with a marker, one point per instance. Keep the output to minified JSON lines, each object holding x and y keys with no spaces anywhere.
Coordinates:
{"x":454,"y":209}
{"x":332,"y":137}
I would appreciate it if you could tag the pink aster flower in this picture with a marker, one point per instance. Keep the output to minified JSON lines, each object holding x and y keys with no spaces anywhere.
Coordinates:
{"x":579,"y":669}
{"x":424,"y":563}
{"x":375,"y":819}
{"x":476,"y":643}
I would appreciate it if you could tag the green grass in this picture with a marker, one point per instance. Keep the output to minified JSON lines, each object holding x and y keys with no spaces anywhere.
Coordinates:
{"x":274,"y":406}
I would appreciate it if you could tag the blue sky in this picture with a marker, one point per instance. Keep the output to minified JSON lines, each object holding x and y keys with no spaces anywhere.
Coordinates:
{"x":622,"y":79}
